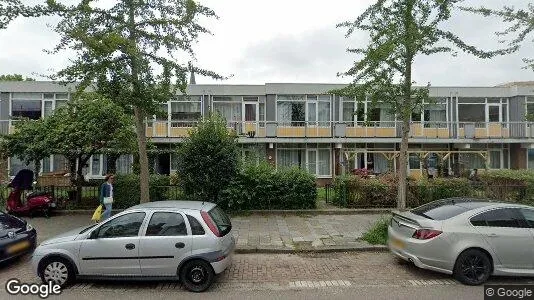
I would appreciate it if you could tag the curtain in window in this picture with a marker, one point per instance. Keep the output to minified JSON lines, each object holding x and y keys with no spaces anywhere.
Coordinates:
{"x":495,"y":159}
{"x":324,"y":162}
{"x":185,"y":111}
{"x":531,"y":159}
{"x":435,"y":118}
{"x":323,"y":113}
{"x":291,"y":158}
{"x":230,"y":111}
{"x":284,"y":113}
{"x":348,"y":111}
{"x":472,"y":161}
{"x":380,"y":163}
{"x":46,"y":165}
{"x":386,"y":118}
{"x":312,"y":162}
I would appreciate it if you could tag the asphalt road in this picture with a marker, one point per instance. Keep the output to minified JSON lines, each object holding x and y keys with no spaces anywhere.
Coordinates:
{"x":270,"y":276}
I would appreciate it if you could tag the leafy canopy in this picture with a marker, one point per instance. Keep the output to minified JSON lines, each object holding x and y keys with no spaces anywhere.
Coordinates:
{"x":399,"y":31}
{"x":520,"y":24}
{"x":131,"y":49}
{"x":208,"y":160}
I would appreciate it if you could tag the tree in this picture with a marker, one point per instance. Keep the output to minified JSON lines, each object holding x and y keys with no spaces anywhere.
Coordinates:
{"x":27,"y":143}
{"x":128,"y":53}
{"x":15,"y":77}
{"x":399,"y":31}
{"x":86,"y":126}
{"x":208,"y":159}
{"x":520,"y":25}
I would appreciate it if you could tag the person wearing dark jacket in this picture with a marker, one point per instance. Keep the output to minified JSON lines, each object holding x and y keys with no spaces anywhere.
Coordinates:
{"x":106,"y":195}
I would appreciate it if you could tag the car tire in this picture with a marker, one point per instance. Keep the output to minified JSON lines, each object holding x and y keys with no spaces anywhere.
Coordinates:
{"x":58,"y":270}
{"x":472,"y":267}
{"x":197,"y":275}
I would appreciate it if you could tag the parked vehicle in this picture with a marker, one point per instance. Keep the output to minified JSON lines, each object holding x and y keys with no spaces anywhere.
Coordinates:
{"x":471,"y":239}
{"x":34,"y":202}
{"x":17,"y":237}
{"x":185,"y":240}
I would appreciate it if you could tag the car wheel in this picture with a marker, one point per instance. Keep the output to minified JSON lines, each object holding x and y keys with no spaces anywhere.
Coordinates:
{"x":197,"y":275}
{"x":57,"y":270}
{"x":473,"y":267}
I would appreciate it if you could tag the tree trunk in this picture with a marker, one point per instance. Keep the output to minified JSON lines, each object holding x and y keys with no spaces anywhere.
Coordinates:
{"x":403,"y":165}
{"x":72,"y":171}
{"x":37,"y":169}
{"x":143,"y":157}
{"x":79,"y":181}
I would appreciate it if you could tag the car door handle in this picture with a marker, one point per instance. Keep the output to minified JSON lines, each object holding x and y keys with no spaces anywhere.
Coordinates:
{"x":493,"y":235}
{"x":179,"y":245}
{"x":129,"y":246}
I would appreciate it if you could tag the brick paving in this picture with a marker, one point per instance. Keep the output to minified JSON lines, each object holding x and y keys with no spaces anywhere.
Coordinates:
{"x":301,"y":232}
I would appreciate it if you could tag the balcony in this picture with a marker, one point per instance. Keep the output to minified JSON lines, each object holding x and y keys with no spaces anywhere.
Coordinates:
{"x":336,"y":129}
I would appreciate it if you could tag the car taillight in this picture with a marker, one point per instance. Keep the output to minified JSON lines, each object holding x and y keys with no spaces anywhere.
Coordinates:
{"x":425,"y":234}
{"x":210,"y":223}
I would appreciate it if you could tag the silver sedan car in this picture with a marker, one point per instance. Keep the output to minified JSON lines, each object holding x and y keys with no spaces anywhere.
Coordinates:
{"x":471,"y":239}
{"x":185,"y":240}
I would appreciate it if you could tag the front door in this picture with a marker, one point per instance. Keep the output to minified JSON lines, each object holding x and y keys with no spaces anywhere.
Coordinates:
{"x":504,"y":231}
{"x":165,"y":244}
{"x":114,"y":248}
{"x":250,"y":117}
{"x":494,"y":115}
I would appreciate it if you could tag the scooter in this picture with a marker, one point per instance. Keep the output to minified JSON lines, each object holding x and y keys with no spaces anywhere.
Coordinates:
{"x":35,"y":201}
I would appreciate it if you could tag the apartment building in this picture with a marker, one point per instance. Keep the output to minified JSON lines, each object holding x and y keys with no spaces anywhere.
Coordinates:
{"x":301,"y":124}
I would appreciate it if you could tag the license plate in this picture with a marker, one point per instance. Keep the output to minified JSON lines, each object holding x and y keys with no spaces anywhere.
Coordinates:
{"x":397,"y":243}
{"x":18,"y":247}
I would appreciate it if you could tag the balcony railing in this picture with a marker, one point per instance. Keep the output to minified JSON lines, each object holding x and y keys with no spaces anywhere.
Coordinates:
{"x":337,"y":129}
{"x":373,"y":129}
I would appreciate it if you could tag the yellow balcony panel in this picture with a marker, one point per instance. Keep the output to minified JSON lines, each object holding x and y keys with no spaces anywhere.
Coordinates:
{"x":436,"y":133}
{"x":381,"y":132}
{"x":355,"y":132}
{"x":149,"y":131}
{"x":160,"y":129}
{"x":318,"y":132}
{"x":252,"y":126}
{"x":416,"y":130}
{"x":291,"y":132}
{"x":261,"y":132}
{"x":180,"y":131}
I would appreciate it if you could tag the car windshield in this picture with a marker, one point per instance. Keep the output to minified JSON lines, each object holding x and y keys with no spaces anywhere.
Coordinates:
{"x":87,"y":228}
{"x":221,"y":219}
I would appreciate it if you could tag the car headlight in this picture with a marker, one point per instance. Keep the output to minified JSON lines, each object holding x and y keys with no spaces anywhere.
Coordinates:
{"x":29,"y":227}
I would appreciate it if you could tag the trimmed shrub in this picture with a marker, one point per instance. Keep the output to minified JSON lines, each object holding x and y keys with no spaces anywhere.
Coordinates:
{"x":262,"y":187}
{"x":126,"y":191}
{"x":357,"y":192}
{"x":425,"y":191}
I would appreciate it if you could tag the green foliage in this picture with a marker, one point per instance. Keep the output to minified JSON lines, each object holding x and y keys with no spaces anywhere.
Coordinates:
{"x":15,"y":77}
{"x":126,"y":192}
{"x":262,"y":187}
{"x":208,"y":160}
{"x":425,"y":191}
{"x":357,"y":192}
{"x":28,"y":142}
{"x":378,"y":233}
{"x":11,"y":9}
{"x":399,"y":32}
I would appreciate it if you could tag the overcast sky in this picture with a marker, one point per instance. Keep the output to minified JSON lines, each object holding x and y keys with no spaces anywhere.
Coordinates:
{"x":262,"y":41}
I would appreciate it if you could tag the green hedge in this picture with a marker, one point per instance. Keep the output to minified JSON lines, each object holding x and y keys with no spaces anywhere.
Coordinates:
{"x":126,"y":190}
{"x":263,"y":187}
{"x":506,"y":185}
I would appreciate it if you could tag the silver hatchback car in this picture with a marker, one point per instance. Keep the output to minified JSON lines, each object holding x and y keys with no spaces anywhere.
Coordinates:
{"x":185,"y":240}
{"x":471,"y":239}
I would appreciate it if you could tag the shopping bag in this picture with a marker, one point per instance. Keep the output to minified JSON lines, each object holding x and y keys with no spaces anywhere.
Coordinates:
{"x":97,"y":215}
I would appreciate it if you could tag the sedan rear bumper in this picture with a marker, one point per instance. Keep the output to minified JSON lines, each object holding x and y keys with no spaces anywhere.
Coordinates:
{"x":416,"y":261}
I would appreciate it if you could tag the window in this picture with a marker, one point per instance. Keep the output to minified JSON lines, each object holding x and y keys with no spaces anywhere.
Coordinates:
{"x":185,"y":114}
{"x":166,"y":224}
{"x":348,"y":111}
{"x":48,"y":108}
{"x":471,"y":113}
{"x":495,"y":159}
{"x":222,"y":221}
{"x":262,"y":114}
{"x":30,"y":109}
{"x":472,"y":160}
{"x":15,"y":165}
{"x":530,"y":159}
{"x":124,"y":226}
{"x":231,"y":111}
{"x":494,"y":114}
{"x":382,"y":115}
{"x":291,"y":113}
{"x":504,"y":217}
{"x":446,"y":208}
{"x":435,"y":116}
{"x":528,"y":214}
{"x":414,"y":161}
{"x":196,"y":227}
{"x":46,"y":165}
{"x":123,"y":164}
{"x":291,"y":158}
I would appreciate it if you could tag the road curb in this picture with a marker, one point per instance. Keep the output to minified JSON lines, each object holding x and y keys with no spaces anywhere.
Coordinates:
{"x":251,"y":250}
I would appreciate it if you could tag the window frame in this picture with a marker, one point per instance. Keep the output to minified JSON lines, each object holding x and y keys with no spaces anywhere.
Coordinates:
{"x":95,"y":233}
{"x":516,"y":212}
{"x":187,"y":227}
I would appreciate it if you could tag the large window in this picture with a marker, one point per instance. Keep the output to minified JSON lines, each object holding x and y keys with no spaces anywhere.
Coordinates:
{"x":380,"y":115}
{"x":228,"y":108}
{"x":291,"y":110}
{"x":124,"y":164}
{"x":531,"y":159}
{"x":472,"y":160}
{"x":26,"y":105}
{"x":166,"y":224}
{"x":124,"y":226}
{"x":318,"y":112}
{"x":15,"y":165}
{"x":506,"y":217}
{"x":435,"y":116}
{"x":353,"y":112}
{"x":314,"y":158}
{"x":186,"y":112}
{"x":495,"y":157}
{"x":414,"y":161}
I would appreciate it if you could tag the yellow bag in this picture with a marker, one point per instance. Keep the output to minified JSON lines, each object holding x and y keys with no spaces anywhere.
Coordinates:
{"x":97,"y":215}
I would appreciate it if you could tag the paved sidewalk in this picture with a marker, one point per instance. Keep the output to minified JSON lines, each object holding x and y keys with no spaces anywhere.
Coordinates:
{"x":302,"y":233}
